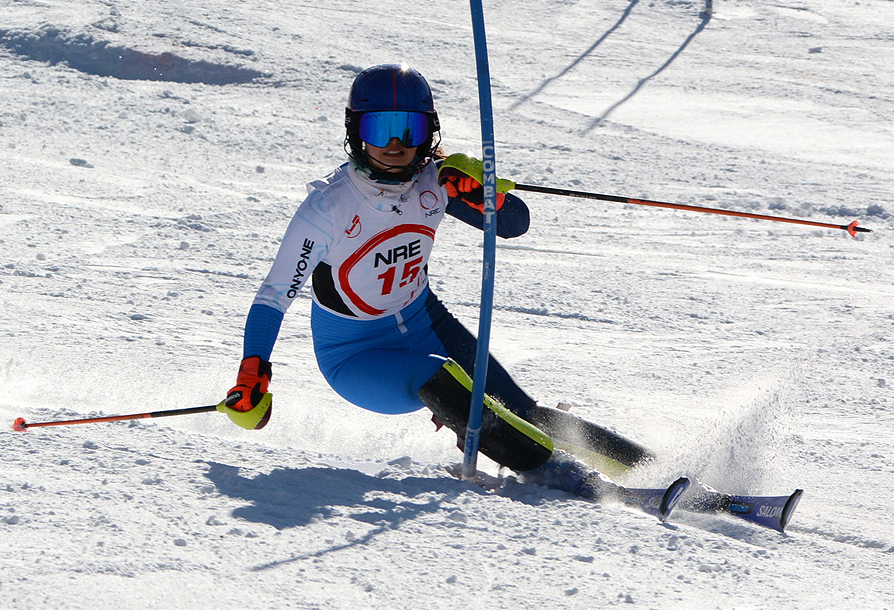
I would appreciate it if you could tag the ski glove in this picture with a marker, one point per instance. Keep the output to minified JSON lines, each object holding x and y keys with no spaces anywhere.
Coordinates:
{"x":470,"y":191}
{"x":248,"y":403}
{"x":461,"y":177}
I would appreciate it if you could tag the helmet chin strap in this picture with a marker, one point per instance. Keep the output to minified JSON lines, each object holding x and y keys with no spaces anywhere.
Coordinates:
{"x":383,"y":175}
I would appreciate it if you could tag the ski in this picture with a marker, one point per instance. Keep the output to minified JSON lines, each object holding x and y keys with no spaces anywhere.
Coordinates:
{"x":773,"y":512}
{"x":659,"y":502}
{"x":565,"y":473}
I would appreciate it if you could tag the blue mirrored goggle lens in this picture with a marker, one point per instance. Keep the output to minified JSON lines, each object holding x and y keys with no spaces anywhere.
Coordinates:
{"x":378,"y":128}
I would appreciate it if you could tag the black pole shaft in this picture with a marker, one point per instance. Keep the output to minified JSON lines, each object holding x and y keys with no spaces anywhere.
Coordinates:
{"x":186,"y":411}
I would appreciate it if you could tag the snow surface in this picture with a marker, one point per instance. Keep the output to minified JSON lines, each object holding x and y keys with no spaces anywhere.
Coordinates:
{"x":138,"y":217}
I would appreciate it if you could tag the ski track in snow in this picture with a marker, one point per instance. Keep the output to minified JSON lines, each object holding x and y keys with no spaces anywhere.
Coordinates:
{"x":151,"y":155}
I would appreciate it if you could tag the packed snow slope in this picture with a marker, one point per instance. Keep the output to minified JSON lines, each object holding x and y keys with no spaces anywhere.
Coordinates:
{"x":151,"y":156}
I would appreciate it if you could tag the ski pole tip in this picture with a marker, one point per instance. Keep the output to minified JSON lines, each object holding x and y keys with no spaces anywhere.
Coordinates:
{"x":20,"y":425}
{"x":853,"y":229}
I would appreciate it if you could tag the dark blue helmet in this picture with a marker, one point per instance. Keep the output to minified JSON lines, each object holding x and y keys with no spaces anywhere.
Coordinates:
{"x":390,"y":87}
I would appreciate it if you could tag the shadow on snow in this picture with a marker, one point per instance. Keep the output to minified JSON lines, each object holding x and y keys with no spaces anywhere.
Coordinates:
{"x":293,"y":497}
{"x":583,"y":56}
{"x":701,"y":26}
{"x":705,"y":19}
{"x":100,"y":58}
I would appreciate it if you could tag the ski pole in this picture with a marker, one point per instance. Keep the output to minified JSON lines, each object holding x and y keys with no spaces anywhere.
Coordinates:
{"x":21,"y":425}
{"x":851,"y":228}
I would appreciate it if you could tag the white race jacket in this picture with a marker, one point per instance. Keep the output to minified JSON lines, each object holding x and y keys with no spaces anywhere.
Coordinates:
{"x":366,"y":243}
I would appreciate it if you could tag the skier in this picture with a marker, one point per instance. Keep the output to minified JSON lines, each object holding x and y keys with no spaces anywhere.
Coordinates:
{"x":382,"y":338}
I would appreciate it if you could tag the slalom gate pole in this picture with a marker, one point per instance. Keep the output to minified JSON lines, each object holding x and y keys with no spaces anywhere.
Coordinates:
{"x":21,"y":425}
{"x":473,"y":429}
{"x":851,"y":228}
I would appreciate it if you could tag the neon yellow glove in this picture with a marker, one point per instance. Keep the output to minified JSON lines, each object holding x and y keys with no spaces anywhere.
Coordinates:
{"x":462,"y":175}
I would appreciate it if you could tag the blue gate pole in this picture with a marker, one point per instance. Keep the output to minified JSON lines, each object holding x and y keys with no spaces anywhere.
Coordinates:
{"x":473,"y":431}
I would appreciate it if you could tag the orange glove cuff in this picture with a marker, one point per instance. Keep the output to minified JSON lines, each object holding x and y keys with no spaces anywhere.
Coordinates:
{"x":470,"y":191}
{"x":251,"y":384}
{"x":253,"y":372}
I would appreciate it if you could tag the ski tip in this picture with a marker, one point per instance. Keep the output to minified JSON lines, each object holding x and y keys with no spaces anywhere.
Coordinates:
{"x":671,"y":497}
{"x":789,"y":508}
{"x":20,"y":425}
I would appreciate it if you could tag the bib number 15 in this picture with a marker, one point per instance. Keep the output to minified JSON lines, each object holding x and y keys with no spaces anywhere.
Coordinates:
{"x":410,"y":272}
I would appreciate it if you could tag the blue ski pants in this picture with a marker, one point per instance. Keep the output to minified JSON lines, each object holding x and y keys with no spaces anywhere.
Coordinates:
{"x":381,"y":364}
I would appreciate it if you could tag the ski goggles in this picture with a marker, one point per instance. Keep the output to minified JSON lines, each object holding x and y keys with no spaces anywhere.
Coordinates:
{"x":378,"y":128}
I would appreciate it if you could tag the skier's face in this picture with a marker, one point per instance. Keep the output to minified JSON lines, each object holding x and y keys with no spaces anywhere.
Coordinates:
{"x":393,"y":158}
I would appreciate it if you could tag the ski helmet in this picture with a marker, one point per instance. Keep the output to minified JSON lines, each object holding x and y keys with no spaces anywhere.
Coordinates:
{"x":392,"y":87}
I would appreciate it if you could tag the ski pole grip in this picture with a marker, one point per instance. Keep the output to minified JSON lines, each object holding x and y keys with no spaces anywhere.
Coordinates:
{"x":472,"y":167}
